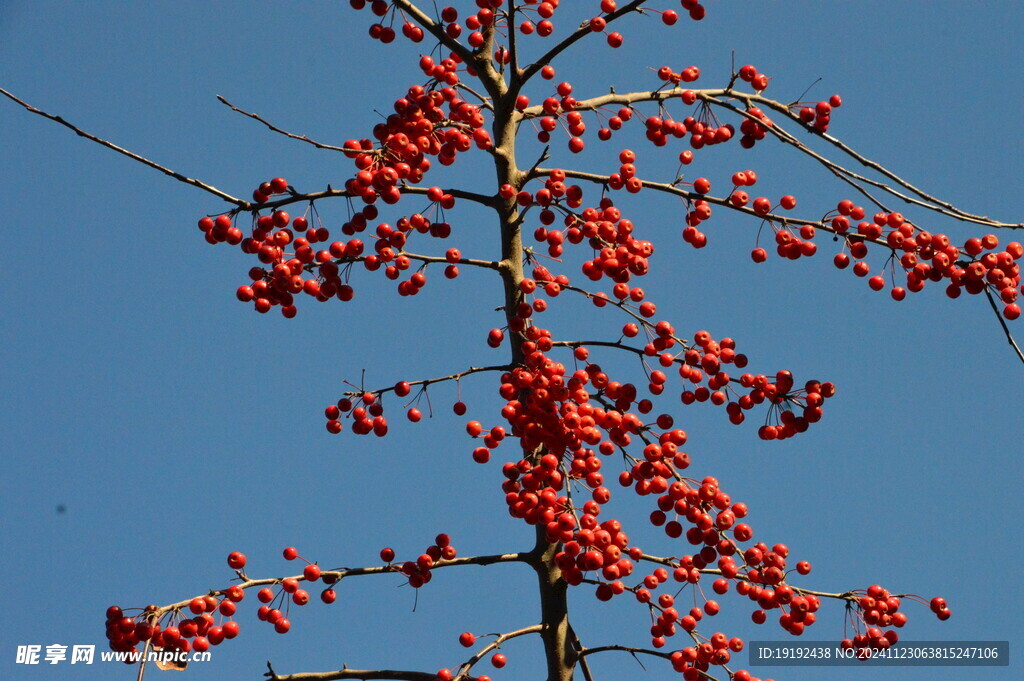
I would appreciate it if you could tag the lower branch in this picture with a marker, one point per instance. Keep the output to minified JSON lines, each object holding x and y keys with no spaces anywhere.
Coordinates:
{"x":344,"y":673}
{"x":466,"y":666}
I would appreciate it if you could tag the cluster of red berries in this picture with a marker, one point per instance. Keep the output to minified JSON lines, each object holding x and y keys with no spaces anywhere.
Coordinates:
{"x":366,"y":412}
{"x":926,"y":257}
{"x":419,"y":128}
{"x":694,"y":662}
{"x":534,"y":492}
{"x":702,"y":361}
{"x":184,"y":634}
{"x":418,"y":571}
{"x":700,"y":210}
{"x":686,"y":75}
{"x":754,"y":128}
{"x":750,"y":74}
{"x":879,"y":609}
{"x":820,"y":115}
{"x":619,"y":255}
{"x":921,"y":255}
{"x":290,"y":592}
{"x":546,"y":10}
{"x":428,"y":122}
{"x":703,"y":128}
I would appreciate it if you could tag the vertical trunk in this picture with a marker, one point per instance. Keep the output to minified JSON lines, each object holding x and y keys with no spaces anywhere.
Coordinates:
{"x":558,"y":645}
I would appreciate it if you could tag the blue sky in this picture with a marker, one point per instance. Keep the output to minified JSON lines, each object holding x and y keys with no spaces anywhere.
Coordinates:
{"x":175,"y":425}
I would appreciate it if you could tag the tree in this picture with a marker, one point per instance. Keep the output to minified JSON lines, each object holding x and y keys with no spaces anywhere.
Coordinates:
{"x":576,"y":207}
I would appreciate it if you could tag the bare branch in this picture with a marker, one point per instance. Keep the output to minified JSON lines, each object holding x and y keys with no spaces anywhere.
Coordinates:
{"x":485,"y":102}
{"x":625,"y":649}
{"x":364,"y":674}
{"x":302,"y":138}
{"x":135,"y":157}
{"x":781,"y":108}
{"x":440,"y":379}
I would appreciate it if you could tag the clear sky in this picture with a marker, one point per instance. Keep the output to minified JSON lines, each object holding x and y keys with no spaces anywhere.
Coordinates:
{"x":173,"y":425}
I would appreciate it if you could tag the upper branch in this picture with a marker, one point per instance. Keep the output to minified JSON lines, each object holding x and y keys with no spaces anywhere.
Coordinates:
{"x":241,"y":204}
{"x":572,"y":38}
{"x":491,"y":79}
{"x":435,"y":29}
{"x":719,"y":97}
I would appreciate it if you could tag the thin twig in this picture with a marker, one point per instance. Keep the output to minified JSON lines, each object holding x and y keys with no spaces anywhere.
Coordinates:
{"x":485,"y":102}
{"x":1002,"y":323}
{"x":301,"y":138}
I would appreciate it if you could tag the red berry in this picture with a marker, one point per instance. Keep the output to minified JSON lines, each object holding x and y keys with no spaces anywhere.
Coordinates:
{"x":236,"y":560}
